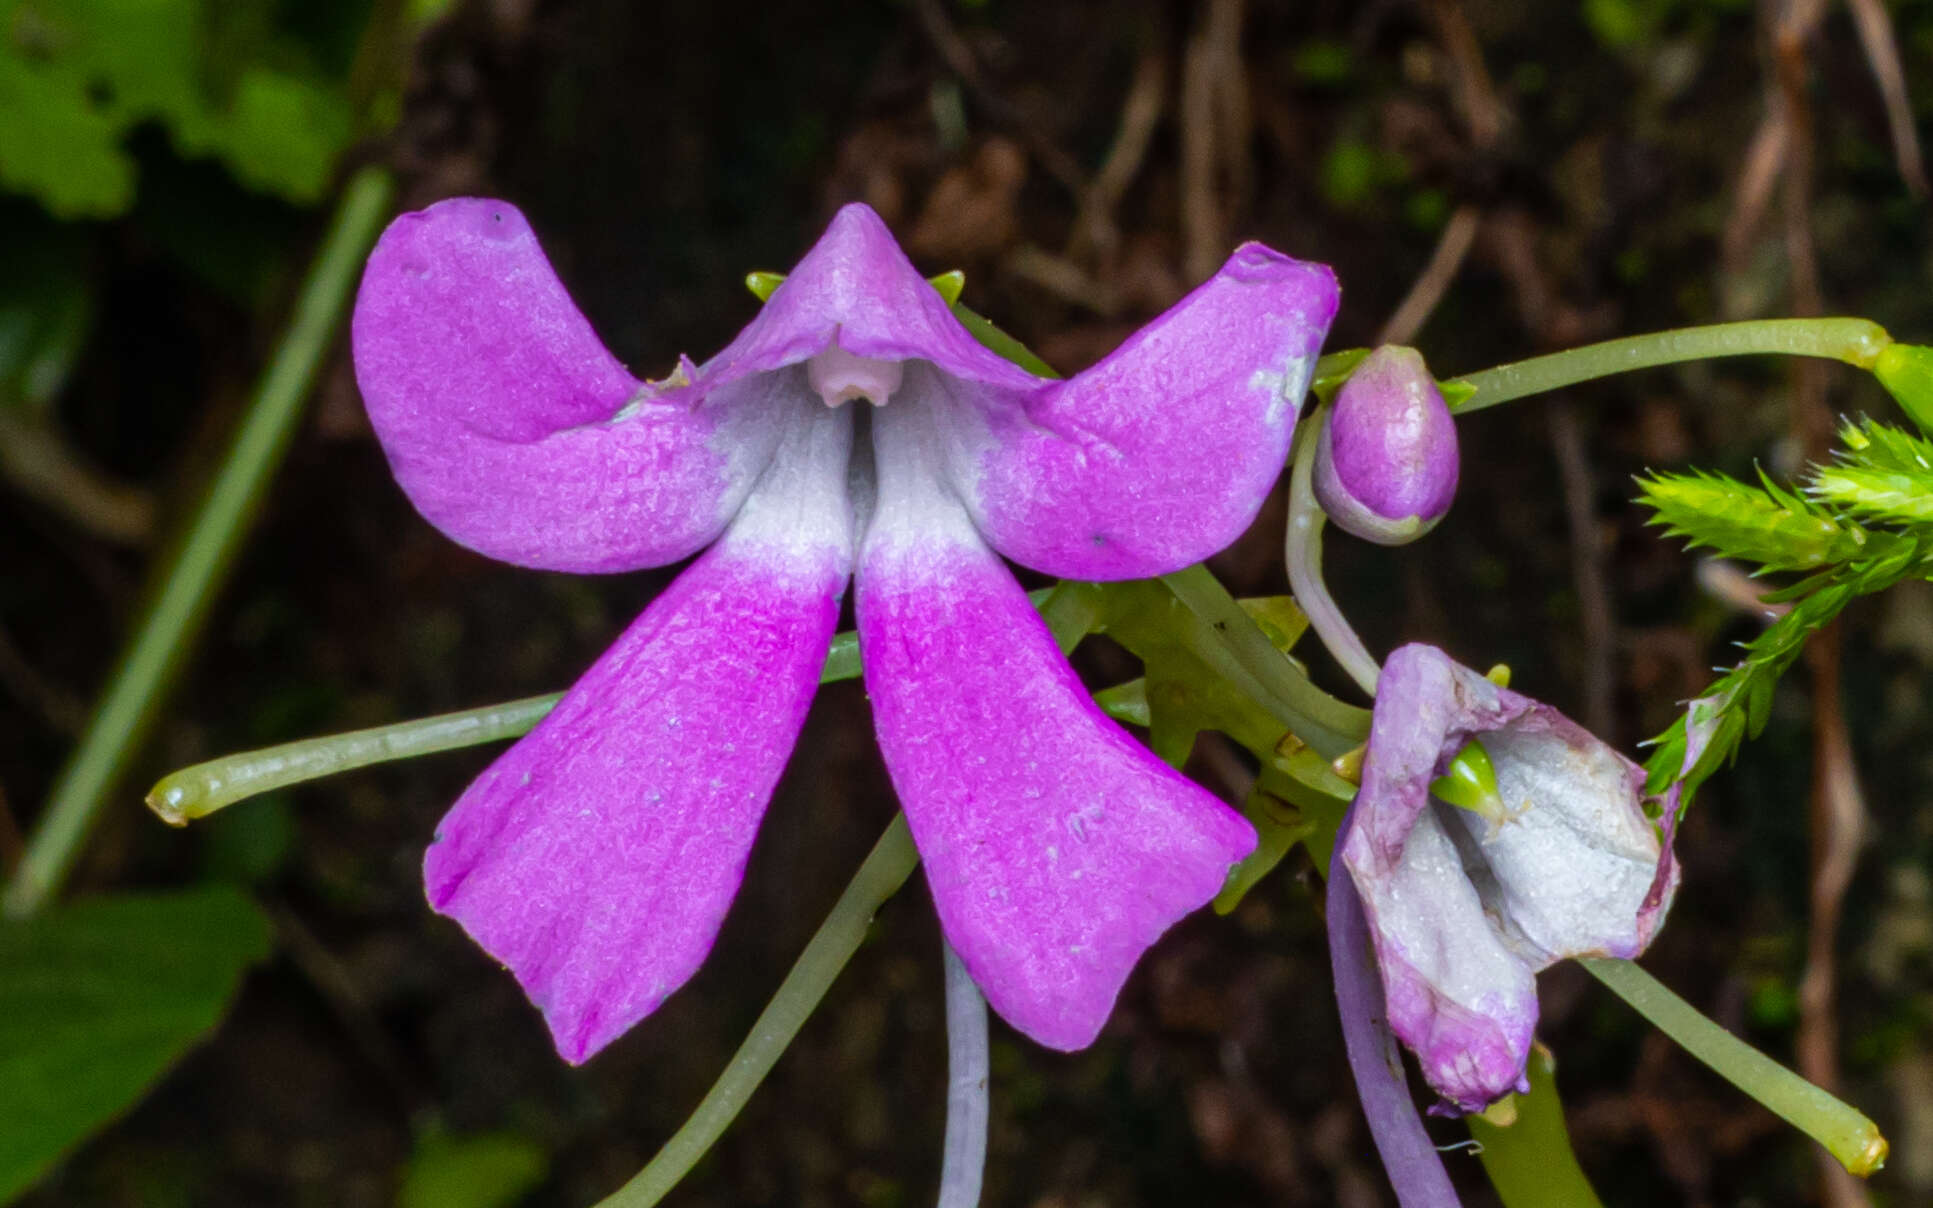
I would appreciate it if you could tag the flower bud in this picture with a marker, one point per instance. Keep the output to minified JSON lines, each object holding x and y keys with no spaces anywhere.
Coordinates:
{"x":1386,"y":460}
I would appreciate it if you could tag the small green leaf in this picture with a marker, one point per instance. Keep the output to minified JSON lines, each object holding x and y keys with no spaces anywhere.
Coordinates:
{"x":489,"y":1170}
{"x":97,"y":1000}
{"x":982,"y":329}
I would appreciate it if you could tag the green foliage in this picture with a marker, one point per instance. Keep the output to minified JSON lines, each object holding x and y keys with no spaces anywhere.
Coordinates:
{"x":76,"y":76}
{"x":1857,"y":526}
{"x":490,"y":1170}
{"x":1763,"y":524}
{"x":97,"y":1000}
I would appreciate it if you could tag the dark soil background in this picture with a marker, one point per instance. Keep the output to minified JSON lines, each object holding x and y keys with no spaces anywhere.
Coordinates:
{"x":1572,"y":172}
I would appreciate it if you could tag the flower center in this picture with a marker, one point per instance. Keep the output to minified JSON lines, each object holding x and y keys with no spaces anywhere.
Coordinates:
{"x":837,"y":376}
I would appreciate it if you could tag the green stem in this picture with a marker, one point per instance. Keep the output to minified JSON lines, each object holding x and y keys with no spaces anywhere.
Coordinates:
{"x":174,"y":619}
{"x":1235,"y":648}
{"x":198,"y":791}
{"x":1846,"y":1133}
{"x":891,"y":861}
{"x":1302,"y":550}
{"x":1530,"y":1161}
{"x":1857,"y":342}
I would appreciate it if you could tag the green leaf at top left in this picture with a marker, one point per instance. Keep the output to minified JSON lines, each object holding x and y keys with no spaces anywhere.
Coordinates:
{"x":97,"y":1000}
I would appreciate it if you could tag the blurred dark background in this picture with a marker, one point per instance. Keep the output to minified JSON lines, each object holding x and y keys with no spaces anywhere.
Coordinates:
{"x":1491,"y":179}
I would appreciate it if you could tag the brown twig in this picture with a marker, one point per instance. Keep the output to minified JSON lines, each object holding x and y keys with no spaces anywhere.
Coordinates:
{"x":1452,"y":248}
{"x":959,"y":59}
{"x":1835,"y":811}
{"x":1482,"y":111}
{"x":1837,"y":818}
{"x":1875,"y":26}
{"x":61,"y":711}
{"x":1096,"y":229}
{"x":1587,"y":570}
{"x":40,"y":465}
{"x":1214,"y":52}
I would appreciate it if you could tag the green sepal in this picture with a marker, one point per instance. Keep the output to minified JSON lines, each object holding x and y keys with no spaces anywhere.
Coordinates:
{"x":1906,"y":370}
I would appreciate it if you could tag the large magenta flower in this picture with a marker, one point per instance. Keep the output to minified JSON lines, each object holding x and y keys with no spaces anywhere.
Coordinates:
{"x":597,"y":857}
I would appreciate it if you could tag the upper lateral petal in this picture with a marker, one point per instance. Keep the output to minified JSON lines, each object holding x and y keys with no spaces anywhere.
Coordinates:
{"x":509,"y":425}
{"x":1162,"y":453}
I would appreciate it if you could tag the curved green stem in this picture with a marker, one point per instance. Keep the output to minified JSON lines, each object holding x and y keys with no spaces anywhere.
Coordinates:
{"x":1303,"y":553}
{"x":173,"y":620}
{"x":1857,"y":342}
{"x":1845,"y":1132}
{"x":195,"y":792}
{"x":886,"y":868}
{"x":1235,"y":648}
{"x":198,"y":791}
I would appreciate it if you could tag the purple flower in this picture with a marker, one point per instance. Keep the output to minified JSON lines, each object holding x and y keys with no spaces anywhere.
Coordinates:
{"x":597,"y":857}
{"x":1386,"y":461}
{"x":1466,"y":906}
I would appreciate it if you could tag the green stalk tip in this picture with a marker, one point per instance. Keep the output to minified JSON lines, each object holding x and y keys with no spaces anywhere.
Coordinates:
{"x":1906,"y":370}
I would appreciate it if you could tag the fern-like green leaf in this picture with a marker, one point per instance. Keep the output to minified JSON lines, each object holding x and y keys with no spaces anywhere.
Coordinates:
{"x":1777,"y":529}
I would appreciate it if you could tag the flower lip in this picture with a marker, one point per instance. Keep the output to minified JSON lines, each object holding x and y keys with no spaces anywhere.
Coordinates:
{"x":1386,"y":465}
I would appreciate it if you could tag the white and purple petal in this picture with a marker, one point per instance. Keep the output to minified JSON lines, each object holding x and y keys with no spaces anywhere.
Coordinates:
{"x":1162,"y":453}
{"x":1056,"y":846}
{"x":1465,"y":910}
{"x":597,"y":857}
{"x":509,"y":425}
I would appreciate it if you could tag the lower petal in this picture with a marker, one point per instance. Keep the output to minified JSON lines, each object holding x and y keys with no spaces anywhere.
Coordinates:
{"x":597,"y":857}
{"x":1056,"y":846}
{"x":1457,"y":996}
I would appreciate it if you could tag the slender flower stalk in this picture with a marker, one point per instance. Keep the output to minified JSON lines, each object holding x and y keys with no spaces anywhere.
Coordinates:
{"x":1304,"y":556}
{"x":203,"y":788}
{"x":200,"y":790}
{"x":1410,"y":1158}
{"x":885,"y":869}
{"x":190,"y":582}
{"x":963,"y":1166}
{"x":1228,"y":640}
{"x":1856,"y":342}
{"x":1847,"y":1134}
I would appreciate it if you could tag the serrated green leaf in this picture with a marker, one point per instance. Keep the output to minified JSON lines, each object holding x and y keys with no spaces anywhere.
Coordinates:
{"x":1765,"y":524}
{"x":97,"y":999}
{"x":1881,"y":496}
{"x":1884,"y":447}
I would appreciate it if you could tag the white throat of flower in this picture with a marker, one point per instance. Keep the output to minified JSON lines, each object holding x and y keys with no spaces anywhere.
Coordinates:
{"x":837,"y":377}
